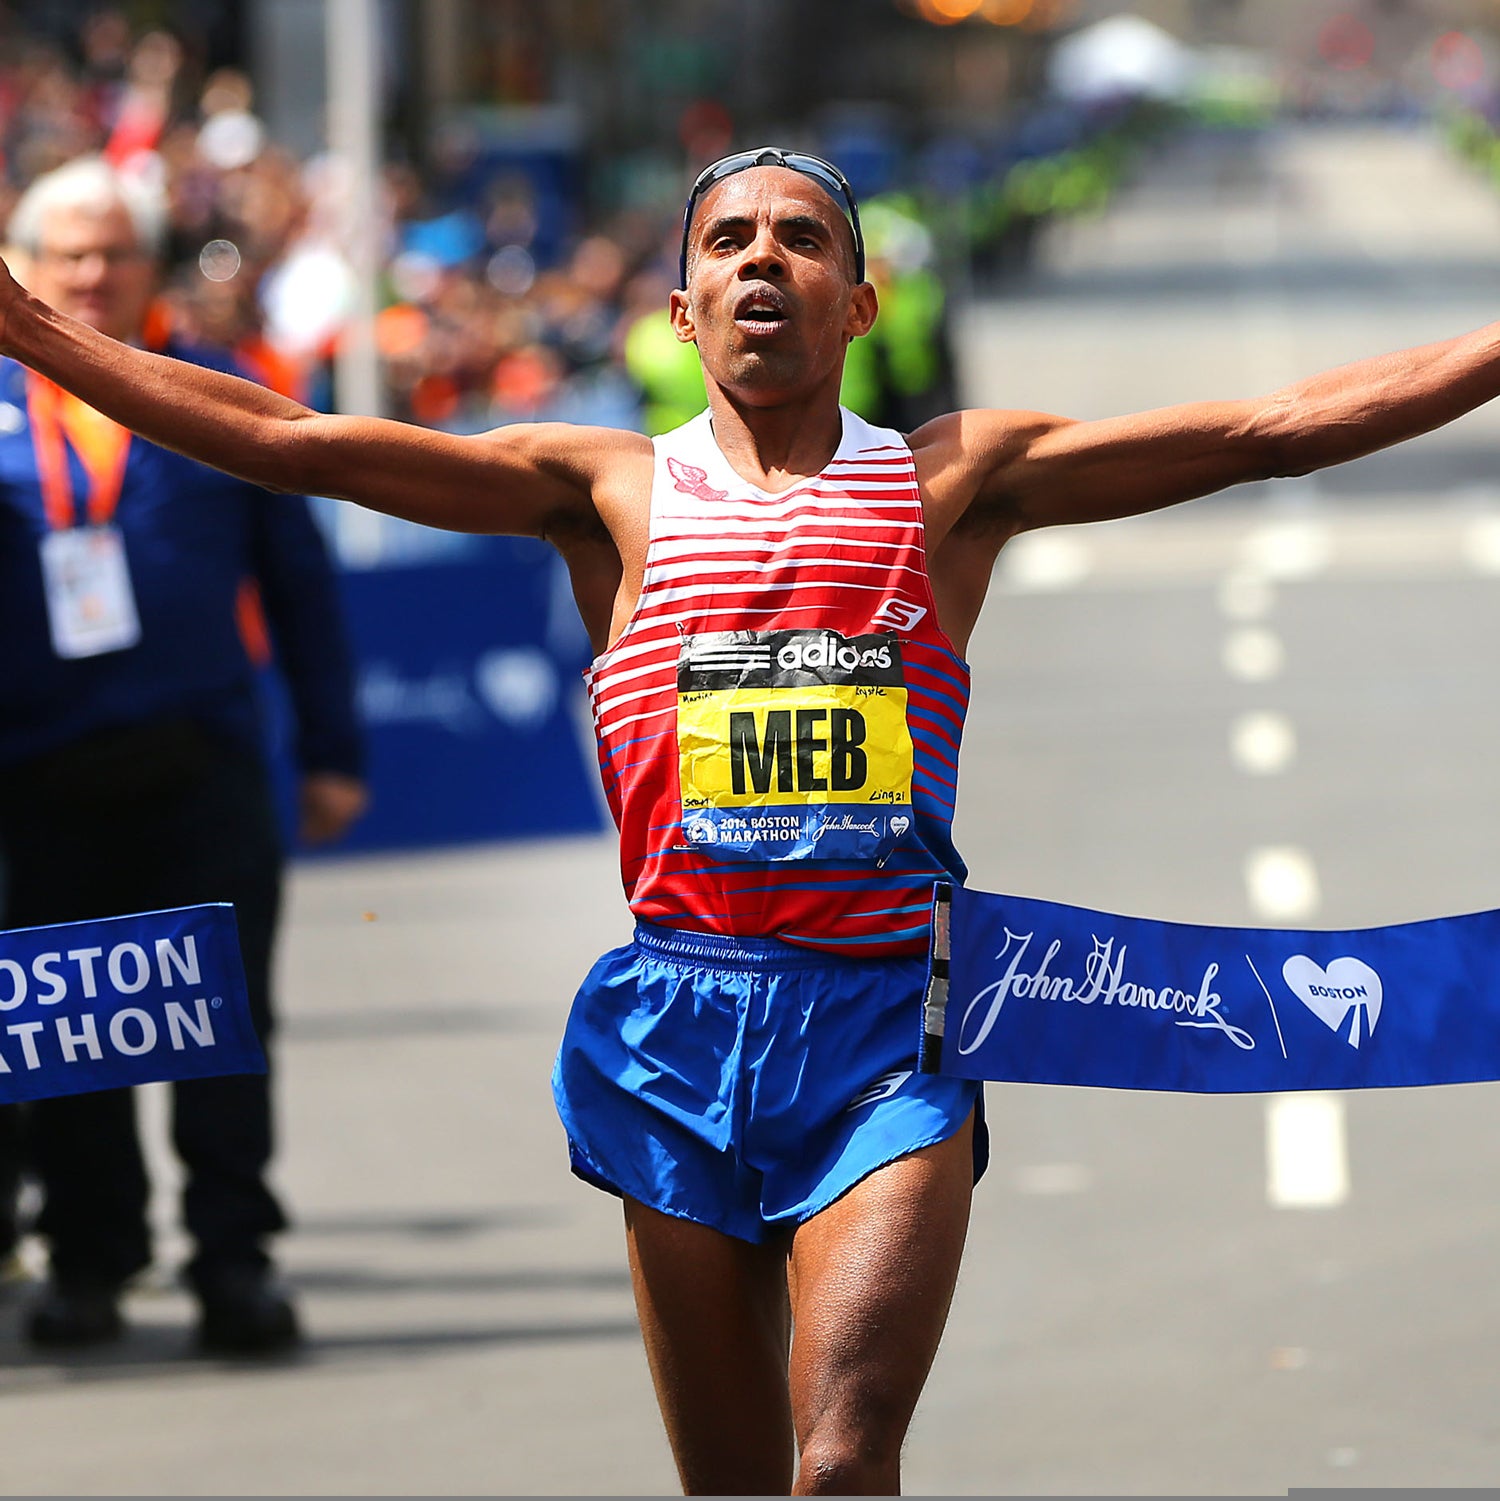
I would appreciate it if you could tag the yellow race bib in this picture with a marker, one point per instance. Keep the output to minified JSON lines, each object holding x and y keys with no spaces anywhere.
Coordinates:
{"x":793,"y":745}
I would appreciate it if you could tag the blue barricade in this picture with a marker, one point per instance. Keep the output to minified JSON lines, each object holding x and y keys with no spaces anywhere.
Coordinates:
{"x":471,"y":696}
{"x":123,"y":1000}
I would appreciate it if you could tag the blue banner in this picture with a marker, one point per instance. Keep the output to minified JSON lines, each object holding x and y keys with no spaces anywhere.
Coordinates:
{"x":469,"y":655}
{"x":1035,"y":992}
{"x":123,"y":1000}
{"x":472,"y":700}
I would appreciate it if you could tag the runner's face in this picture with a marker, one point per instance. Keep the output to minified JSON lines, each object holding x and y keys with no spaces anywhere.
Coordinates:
{"x":91,"y":266}
{"x":771,"y":301}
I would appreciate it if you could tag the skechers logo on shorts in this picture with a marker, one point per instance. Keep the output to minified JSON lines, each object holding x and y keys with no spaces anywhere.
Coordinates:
{"x":882,"y":1089}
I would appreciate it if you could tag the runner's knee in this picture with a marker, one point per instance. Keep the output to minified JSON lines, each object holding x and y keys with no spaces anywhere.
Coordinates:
{"x":848,"y":1465}
{"x":853,"y":1454}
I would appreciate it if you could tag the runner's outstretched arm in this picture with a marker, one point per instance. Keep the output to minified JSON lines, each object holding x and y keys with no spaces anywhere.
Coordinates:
{"x":531,"y":480}
{"x":1026,"y":469}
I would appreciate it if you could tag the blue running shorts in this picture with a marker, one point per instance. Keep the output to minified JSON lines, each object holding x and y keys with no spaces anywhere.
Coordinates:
{"x":747,"y":1083}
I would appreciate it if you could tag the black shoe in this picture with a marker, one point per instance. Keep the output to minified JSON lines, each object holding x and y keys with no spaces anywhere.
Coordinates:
{"x":246,"y":1312}
{"x":71,"y":1315}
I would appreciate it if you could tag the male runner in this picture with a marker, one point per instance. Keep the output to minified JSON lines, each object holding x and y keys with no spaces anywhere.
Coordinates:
{"x":795,"y":1208}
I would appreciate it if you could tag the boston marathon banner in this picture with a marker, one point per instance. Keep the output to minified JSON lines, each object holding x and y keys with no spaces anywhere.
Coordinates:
{"x":123,"y":1000}
{"x":1034,"y":992}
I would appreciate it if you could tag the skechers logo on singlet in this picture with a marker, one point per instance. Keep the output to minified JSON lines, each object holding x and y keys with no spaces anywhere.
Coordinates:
{"x":899,"y":615}
{"x":689,"y":479}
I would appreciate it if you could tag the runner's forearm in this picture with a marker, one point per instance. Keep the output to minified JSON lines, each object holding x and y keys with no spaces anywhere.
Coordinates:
{"x":1067,"y":472}
{"x":218,"y":419}
{"x":532,"y":481}
{"x":1346,"y":413}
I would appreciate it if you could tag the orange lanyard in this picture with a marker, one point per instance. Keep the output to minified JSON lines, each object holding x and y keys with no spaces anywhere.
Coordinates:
{"x":102,"y":446}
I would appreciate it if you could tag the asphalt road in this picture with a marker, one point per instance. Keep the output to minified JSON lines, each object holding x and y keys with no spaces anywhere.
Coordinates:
{"x":1273,"y":706}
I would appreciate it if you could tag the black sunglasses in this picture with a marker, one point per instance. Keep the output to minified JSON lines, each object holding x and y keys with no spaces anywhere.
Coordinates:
{"x":825,"y":174}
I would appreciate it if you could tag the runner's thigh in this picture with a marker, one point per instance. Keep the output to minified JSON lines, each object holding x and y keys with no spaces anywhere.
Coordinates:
{"x":872,"y":1278}
{"x":713,"y":1311}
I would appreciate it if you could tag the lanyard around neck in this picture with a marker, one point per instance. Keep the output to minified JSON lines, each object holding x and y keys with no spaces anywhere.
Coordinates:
{"x":102,"y":447}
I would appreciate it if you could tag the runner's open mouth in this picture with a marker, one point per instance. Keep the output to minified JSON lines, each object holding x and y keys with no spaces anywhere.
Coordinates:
{"x":763,"y":309}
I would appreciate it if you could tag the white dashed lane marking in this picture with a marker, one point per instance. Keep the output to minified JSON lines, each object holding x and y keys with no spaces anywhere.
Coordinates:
{"x":1246,"y":595}
{"x":1245,"y":557}
{"x":1480,"y":544}
{"x":1253,"y":654}
{"x":1299,"y":549}
{"x":1053,"y":1179}
{"x":1044,"y":561}
{"x":1307,"y":1158}
{"x":1262,"y":743}
{"x":1307,"y":1163}
{"x":1281,"y":883}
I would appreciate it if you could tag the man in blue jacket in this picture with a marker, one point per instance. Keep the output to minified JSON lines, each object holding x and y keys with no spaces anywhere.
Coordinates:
{"x":132,"y":774}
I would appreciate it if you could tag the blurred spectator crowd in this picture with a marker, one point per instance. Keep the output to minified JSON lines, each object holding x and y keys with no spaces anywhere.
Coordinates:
{"x":478,"y":326}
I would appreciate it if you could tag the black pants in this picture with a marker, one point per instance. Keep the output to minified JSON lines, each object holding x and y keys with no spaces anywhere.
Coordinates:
{"x":160,"y":816}
{"x":12,"y":1165}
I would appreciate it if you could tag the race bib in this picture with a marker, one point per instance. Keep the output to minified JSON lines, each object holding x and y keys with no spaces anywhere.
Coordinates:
{"x":793,"y":745}
{"x":90,"y":604}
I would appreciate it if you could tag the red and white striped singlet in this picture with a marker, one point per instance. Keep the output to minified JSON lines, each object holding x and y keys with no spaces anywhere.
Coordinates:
{"x":779,"y":722}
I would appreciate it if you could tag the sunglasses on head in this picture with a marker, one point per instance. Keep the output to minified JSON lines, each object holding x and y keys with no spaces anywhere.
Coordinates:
{"x":825,"y":174}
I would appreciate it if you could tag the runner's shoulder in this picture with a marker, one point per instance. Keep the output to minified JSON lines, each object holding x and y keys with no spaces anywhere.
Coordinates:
{"x":960,"y":456}
{"x":607,"y":471}
{"x":977,"y":434}
{"x":591,"y":457}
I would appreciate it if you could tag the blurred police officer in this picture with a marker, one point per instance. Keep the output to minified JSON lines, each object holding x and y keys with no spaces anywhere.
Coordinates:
{"x":132,"y":774}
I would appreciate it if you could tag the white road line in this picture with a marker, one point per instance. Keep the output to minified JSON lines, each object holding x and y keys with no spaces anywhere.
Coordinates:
{"x":1251,"y":233}
{"x":1042,"y":562}
{"x":1281,"y":884}
{"x":1050,"y":1179}
{"x":1480,"y":544}
{"x":1262,"y":743}
{"x":1246,"y":562}
{"x":1307,"y":1159}
{"x":1253,"y":654}
{"x":1292,"y":549}
{"x":1246,"y":594}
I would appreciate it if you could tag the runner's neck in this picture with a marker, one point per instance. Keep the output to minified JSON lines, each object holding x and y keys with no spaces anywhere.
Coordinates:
{"x":774,"y":448}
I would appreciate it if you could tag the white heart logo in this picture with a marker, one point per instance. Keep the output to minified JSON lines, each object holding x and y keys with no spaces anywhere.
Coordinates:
{"x":900,"y":824}
{"x":1347,"y":985}
{"x":518,"y":684}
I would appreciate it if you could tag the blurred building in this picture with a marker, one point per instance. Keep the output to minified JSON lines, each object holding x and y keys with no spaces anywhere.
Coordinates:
{"x":660,"y":83}
{"x":656,"y":81}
